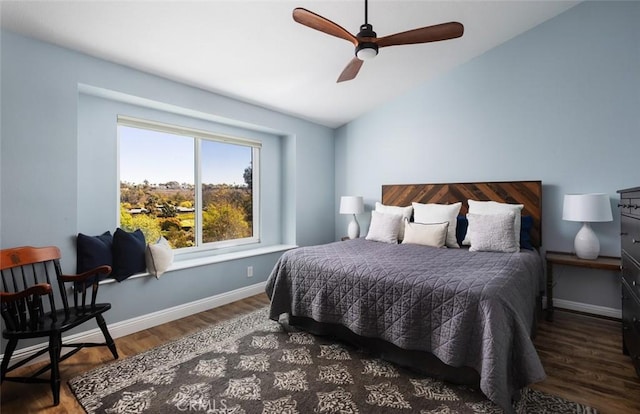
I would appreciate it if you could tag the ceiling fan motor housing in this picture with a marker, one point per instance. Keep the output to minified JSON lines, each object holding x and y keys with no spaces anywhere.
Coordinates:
{"x":366,"y":49}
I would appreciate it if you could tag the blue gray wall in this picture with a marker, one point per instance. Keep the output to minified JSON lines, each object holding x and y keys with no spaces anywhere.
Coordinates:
{"x":559,"y":103}
{"x":53,"y":133}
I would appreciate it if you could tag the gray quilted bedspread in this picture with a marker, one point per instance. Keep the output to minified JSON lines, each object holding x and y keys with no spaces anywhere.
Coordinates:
{"x":473,"y":309}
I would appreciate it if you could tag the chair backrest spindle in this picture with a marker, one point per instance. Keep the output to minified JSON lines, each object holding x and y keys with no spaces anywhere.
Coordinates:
{"x":84,"y":299}
{"x":94,"y":293}
{"x":76,"y":287}
{"x":61,"y":286}
{"x":15,"y":284}
{"x":21,"y":309}
{"x":5,"y":287}
{"x":24,"y":276}
{"x":35,"y":311}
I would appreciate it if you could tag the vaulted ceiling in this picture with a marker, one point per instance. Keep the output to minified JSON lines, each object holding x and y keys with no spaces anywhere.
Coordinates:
{"x":255,"y":52}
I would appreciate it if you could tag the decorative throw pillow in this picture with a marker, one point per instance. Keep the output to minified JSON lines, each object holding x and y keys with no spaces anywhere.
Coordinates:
{"x":384,"y":227}
{"x":128,"y":254}
{"x":405,"y":212}
{"x":159,"y":256}
{"x":439,"y":213}
{"x":434,"y":234}
{"x":93,"y":251}
{"x":492,"y":233}
{"x":461,"y":228}
{"x":526,"y":225}
{"x":493,"y":207}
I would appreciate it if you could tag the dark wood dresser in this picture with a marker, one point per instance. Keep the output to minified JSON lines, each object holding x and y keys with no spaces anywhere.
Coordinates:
{"x":630,"y":238}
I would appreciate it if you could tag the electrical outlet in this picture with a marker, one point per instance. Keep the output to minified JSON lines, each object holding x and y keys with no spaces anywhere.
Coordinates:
{"x":249,"y":271}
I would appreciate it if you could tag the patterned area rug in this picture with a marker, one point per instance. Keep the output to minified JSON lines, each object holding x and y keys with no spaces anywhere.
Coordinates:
{"x":253,"y":365}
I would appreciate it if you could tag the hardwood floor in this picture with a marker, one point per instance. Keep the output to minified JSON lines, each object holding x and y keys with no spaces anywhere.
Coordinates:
{"x":582,"y":357}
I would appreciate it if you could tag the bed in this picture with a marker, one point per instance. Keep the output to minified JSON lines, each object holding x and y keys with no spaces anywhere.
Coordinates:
{"x":461,"y":315}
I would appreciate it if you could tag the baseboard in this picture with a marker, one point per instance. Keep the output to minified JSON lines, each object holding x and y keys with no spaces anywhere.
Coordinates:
{"x":133,"y":325}
{"x":586,"y":308}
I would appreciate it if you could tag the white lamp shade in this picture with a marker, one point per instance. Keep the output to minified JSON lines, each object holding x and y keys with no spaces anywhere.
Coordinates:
{"x":587,"y":208}
{"x":351,"y":205}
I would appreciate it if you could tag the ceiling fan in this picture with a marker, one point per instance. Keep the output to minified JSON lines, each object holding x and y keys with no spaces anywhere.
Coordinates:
{"x":366,"y":42}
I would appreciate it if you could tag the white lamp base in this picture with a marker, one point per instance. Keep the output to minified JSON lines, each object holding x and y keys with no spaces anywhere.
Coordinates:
{"x":353,"y":231}
{"x":586,"y":243}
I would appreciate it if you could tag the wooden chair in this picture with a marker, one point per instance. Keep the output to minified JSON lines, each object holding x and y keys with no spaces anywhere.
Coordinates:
{"x":29,"y":309}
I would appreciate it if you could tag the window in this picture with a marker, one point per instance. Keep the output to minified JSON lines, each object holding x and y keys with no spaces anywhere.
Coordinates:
{"x":195,"y":188}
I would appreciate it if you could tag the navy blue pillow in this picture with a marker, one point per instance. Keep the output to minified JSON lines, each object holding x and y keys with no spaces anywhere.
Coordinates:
{"x":93,"y":251}
{"x":526,"y":224}
{"x":128,"y":254}
{"x":461,"y":229}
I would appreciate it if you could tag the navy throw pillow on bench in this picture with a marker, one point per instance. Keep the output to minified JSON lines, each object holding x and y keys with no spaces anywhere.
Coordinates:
{"x":93,"y":251}
{"x":128,"y":254}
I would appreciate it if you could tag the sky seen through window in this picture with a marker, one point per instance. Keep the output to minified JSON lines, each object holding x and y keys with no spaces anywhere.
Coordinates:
{"x":160,"y":157}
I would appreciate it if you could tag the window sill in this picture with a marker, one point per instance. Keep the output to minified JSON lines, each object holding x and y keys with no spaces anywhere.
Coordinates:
{"x":203,"y":261}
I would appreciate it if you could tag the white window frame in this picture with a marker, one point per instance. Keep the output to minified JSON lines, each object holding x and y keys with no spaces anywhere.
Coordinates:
{"x":199,"y":135}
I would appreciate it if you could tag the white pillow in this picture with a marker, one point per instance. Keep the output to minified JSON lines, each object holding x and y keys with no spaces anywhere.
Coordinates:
{"x":384,"y":227}
{"x":492,"y":233}
{"x":159,"y":256}
{"x":434,"y":234}
{"x":405,"y":212}
{"x":493,"y":207}
{"x":438,"y":213}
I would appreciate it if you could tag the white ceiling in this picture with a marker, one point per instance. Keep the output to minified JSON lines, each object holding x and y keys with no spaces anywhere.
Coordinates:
{"x":255,"y":52}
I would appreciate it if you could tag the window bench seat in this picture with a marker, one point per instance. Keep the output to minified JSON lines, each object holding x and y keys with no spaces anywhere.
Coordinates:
{"x":217,"y":258}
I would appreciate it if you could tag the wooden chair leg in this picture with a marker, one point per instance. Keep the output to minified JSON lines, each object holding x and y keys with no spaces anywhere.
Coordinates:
{"x":8,"y":352}
{"x":105,"y":331}
{"x":55,"y":341}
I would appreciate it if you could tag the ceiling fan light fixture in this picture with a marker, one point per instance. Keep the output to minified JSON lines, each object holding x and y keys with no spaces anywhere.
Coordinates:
{"x":367,"y":41}
{"x":366,"y":50}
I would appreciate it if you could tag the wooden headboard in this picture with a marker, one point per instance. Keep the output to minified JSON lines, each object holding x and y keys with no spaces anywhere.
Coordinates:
{"x":528,"y":193}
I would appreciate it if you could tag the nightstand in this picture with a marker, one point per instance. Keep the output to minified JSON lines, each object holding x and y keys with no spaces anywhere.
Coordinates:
{"x":569,"y":259}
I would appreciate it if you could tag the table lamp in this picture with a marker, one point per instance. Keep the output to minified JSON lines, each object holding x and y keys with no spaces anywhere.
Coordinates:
{"x":352,"y":205}
{"x":587,"y":208}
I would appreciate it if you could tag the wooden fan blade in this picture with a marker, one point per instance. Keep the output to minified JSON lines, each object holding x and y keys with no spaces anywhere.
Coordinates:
{"x":315,"y":21}
{"x":427,"y":34}
{"x":351,"y":70}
